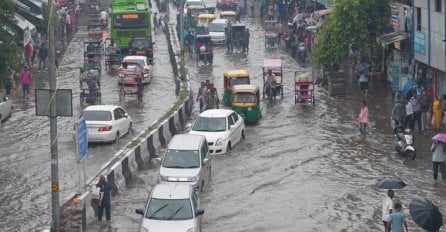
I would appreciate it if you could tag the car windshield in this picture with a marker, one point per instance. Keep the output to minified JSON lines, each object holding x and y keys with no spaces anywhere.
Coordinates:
{"x":239,"y":81}
{"x":217,"y":27}
{"x":181,"y":159}
{"x":97,"y":115}
{"x":140,"y":43}
{"x":245,"y":97}
{"x":210,"y":124}
{"x":168,"y":209}
{"x":139,"y":61}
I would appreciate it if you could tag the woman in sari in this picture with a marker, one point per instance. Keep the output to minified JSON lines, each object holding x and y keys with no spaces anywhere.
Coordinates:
{"x":436,"y":106}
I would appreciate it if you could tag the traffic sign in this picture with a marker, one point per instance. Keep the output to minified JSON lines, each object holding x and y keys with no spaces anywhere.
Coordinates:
{"x":82,"y":138}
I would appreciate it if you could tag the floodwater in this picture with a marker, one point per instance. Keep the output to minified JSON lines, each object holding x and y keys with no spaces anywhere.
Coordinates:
{"x":301,"y":168}
{"x":24,"y":145}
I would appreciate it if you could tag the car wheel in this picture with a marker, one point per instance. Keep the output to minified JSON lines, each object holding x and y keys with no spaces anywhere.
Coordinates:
{"x":117,"y":138}
{"x":243,"y":135}
{"x":130,"y":131}
{"x":202,"y":186}
{"x":228,"y":147}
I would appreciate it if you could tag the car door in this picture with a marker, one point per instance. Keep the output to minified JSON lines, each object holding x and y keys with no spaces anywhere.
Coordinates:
{"x":118,"y":121}
{"x":238,"y":127}
{"x":124,"y":120}
{"x":231,"y":135}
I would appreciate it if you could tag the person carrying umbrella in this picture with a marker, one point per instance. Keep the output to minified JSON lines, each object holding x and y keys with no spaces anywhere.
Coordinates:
{"x":425,"y":214}
{"x":396,"y":220}
{"x":438,"y":156}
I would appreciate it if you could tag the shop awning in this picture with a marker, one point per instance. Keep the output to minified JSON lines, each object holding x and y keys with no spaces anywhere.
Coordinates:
{"x":22,"y":23}
{"x":390,"y":38}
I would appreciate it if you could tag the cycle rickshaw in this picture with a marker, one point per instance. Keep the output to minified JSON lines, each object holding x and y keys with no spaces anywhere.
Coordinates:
{"x":271,"y":34}
{"x":272,"y":67}
{"x":246,"y":102}
{"x":90,"y":86}
{"x":230,"y":79}
{"x":92,"y":55}
{"x":113,"y":54}
{"x":204,"y":50}
{"x":238,"y":35}
{"x":303,"y":88}
{"x":131,"y":80}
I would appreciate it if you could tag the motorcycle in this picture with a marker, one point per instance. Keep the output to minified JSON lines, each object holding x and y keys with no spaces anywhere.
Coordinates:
{"x":404,"y":142}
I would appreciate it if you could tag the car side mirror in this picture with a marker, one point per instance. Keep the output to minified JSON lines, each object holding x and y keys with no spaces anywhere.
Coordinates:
{"x":139,"y":211}
{"x":206,"y":161}
{"x":199,"y":212}
{"x":158,"y":160}
{"x":126,"y":115}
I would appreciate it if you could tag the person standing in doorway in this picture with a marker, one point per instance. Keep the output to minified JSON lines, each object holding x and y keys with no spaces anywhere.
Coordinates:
{"x":105,"y":194}
{"x":387,"y":208}
{"x":438,"y":159}
{"x":363,"y":119}
{"x":25,"y":80}
{"x":396,"y":220}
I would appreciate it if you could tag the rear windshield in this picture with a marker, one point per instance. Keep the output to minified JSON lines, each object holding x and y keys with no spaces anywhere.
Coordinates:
{"x":140,"y":44}
{"x":97,"y":115}
{"x":217,"y":27}
{"x":245,"y":97}
{"x":138,"y":61}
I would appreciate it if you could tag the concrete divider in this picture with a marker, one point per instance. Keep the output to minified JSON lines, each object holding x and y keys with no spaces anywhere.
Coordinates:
{"x":138,"y":153}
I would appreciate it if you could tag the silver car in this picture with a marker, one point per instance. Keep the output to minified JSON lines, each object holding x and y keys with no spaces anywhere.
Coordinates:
{"x":172,"y":207}
{"x":5,"y":108}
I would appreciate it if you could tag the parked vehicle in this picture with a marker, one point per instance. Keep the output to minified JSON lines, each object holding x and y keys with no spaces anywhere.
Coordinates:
{"x":217,"y":30}
{"x":106,"y":123}
{"x":246,"y":102}
{"x":404,"y":142}
{"x":171,"y":207}
{"x":186,"y":160}
{"x":5,"y":108}
{"x":230,"y":79}
{"x":222,"y":128}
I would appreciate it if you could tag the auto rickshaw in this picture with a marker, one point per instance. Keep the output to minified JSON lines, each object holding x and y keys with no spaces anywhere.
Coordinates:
{"x":203,"y":49}
{"x":246,"y":102}
{"x":203,"y":21}
{"x":232,"y":78}
{"x":237,"y":35}
{"x":230,"y":15}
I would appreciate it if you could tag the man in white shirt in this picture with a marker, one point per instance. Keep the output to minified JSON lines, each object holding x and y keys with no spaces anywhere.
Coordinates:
{"x":104,"y":16}
{"x":387,"y":207}
{"x":409,"y":116}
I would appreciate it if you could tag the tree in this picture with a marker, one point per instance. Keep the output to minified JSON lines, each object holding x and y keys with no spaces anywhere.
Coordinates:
{"x":351,"y":21}
{"x":9,"y":60}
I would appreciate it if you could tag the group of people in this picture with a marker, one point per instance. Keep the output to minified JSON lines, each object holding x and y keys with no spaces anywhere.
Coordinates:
{"x":160,"y":23}
{"x":208,"y":96}
{"x":393,"y":218}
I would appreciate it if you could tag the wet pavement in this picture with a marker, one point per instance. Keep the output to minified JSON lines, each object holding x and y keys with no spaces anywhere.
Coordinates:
{"x":301,"y":168}
{"x":24,"y":145}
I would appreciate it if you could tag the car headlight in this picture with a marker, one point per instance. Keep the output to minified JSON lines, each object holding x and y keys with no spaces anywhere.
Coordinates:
{"x":193,"y":178}
{"x":191,"y":230}
{"x":142,"y":229}
{"x":219,"y":142}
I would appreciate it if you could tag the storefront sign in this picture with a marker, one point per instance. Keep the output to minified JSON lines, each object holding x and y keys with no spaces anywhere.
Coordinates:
{"x":419,"y":42}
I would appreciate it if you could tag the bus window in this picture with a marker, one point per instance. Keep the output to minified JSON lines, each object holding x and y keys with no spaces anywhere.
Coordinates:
{"x":130,"y":20}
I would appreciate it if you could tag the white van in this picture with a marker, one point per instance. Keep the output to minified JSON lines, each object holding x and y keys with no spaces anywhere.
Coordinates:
{"x":217,"y":30}
{"x":186,"y":160}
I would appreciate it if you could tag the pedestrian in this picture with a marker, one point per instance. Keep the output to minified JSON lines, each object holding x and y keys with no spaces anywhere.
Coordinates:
{"x":8,"y":83}
{"x":280,"y":11}
{"x":361,"y":72}
{"x":155,"y":22}
{"x":270,"y":12}
{"x":228,"y":39}
{"x":363,"y":118}
{"x":426,"y":110}
{"x":160,"y":22}
{"x":399,"y":114}
{"x":437,"y":114}
{"x":104,"y":18}
{"x":443,"y":108}
{"x":308,"y":44}
{"x":25,"y":80}
{"x":438,"y":159}
{"x":396,"y":220}
{"x":252,"y":8}
{"x":29,"y":54}
{"x":43,"y":54}
{"x":238,"y":12}
{"x":417,"y":112}
{"x":95,"y":199}
{"x":105,"y":198}
{"x":387,"y":208}
{"x":67,"y":23}
{"x":246,"y":40}
{"x":409,"y":116}
{"x":200,"y":97}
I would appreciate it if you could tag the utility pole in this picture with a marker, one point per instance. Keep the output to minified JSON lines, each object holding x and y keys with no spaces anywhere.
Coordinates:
{"x":181,"y":33}
{"x":55,"y":226}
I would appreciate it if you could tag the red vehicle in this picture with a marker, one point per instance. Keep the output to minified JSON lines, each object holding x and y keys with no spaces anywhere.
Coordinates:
{"x":225,"y":4}
{"x":131,"y":80}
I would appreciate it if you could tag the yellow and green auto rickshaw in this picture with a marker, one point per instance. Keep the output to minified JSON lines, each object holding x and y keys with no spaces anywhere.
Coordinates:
{"x":246,"y":102}
{"x":232,"y":78}
{"x":203,"y":21}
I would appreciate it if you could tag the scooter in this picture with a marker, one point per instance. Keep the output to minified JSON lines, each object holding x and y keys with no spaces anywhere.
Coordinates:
{"x":404,"y":142}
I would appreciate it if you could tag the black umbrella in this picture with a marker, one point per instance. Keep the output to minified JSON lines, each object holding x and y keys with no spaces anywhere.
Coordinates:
{"x":390,"y":183}
{"x":425,"y":214}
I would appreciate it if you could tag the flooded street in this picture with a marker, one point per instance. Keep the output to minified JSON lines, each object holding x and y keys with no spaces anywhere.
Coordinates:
{"x":301,"y":168}
{"x":24,"y":144}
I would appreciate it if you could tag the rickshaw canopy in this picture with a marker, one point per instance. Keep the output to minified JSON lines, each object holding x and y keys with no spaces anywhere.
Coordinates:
{"x":272,"y":63}
{"x":236,"y":73}
{"x":228,"y":13}
{"x":206,"y":16}
{"x":235,"y":77}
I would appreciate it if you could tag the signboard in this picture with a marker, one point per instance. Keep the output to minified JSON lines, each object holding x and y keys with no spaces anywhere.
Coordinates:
{"x":395,"y":77}
{"x":64,"y":106}
{"x":419,"y":42}
{"x":82,"y":138}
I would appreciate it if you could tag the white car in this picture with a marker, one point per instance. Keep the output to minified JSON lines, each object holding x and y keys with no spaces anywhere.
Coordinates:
{"x":106,"y":123}
{"x":171,"y":207}
{"x":186,"y":160}
{"x":217,"y":30}
{"x":222,"y":128}
{"x":5,"y":108}
{"x":131,"y":69}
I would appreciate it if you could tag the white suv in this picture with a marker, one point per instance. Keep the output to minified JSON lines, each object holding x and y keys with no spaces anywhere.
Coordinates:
{"x":186,"y":160}
{"x":171,"y":207}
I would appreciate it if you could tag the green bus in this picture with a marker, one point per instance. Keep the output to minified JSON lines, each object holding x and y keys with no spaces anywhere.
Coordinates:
{"x":130,"y":18}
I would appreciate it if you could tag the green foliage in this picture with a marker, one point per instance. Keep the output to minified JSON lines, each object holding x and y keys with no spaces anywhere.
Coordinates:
{"x":358,"y":21}
{"x":8,"y":49}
